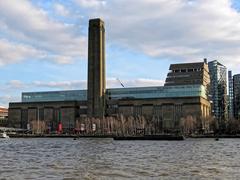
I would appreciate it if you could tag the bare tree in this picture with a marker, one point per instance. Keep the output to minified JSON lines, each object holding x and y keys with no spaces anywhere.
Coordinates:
{"x":38,"y":127}
{"x":188,"y":124}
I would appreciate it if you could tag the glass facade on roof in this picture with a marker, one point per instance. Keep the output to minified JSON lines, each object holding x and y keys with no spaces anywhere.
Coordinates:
{"x":73,"y":95}
{"x":119,"y":93}
{"x":157,"y":92}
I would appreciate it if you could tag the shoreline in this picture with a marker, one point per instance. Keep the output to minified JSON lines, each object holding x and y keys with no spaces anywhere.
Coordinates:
{"x":214,"y":136}
{"x":111,"y":136}
{"x":56,"y":136}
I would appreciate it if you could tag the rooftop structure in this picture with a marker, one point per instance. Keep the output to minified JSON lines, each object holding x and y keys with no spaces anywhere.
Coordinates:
{"x":188,"y":74}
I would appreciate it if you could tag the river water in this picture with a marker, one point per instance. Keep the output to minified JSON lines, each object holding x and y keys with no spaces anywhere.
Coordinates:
{"x":70,"y":159}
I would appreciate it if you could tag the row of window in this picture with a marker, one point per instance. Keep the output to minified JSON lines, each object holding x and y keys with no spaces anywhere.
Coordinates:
{"x":187,"y":70}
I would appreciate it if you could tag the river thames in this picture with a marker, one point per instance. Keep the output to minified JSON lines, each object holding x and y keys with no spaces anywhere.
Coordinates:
{"x":107,"y":159}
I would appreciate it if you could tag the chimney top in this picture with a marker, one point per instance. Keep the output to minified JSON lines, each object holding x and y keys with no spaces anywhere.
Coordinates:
{"x":205,"y":60}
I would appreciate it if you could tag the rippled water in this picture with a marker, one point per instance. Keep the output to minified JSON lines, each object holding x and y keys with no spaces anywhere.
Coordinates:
{"x":107,"y":159}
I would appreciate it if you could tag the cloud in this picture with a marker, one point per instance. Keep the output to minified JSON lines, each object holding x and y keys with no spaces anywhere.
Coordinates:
{"x":15,"y":84}
{"x":12,"y":86}
{"x":91,"y":3}
{"x":61,"y":59}
{"x":82,"y":84}
{"x":11,"y":52}
{"x":181,"y":30}
{"x":61,"y":10}
{"x":5,"y":99}
{"x":111,"y":83}
{"x":23,"y":22}
{"x":141,"y":82}
{"x":12,"y":89}
{"x":74,"y":84}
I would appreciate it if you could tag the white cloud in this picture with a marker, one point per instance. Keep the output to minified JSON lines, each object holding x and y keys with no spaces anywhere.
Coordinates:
{"x":33,"y":27}
{"x":180,"y":30}
{"x":82,"y":84}
{"x":12,"y":89}
{"x":61,"y":10}
{"x":141,"y":82}
{"x":15,"y":84}
{"x":5,"y":99}
{"x":74,"y":84}
{"x":91,"y":3}
{"x":12,"y":53}
{"x":12,"y":86}
{"x":62,"y":59}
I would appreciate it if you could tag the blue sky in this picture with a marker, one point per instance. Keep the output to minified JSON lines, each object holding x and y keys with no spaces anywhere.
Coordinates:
{"x":43,"y":44}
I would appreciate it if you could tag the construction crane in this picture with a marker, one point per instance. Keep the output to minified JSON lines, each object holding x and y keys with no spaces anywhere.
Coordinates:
{"x":120,"y":83}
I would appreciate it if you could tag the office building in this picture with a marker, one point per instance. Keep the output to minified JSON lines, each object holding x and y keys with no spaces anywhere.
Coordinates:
{"x":236,"y":95}
{"x":218,"y":90}
{"x":230,"y":95}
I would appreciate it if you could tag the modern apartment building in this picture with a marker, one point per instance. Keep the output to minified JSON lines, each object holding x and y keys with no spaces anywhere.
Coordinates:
{"x":218,"y":89}
{"x":230,"y":95}
{"x":236,"y":95}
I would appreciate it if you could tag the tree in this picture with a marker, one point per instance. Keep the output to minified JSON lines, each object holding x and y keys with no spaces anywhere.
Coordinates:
{"x":38,"y":127}
{"x":188,"y":124}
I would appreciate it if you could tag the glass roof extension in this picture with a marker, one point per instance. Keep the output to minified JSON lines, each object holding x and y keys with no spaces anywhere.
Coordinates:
{"x":119,"y":93}
{"x":70,"y":95}
{"x":157,"y":92}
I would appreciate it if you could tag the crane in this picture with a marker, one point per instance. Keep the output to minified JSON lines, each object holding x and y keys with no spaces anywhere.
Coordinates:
{"x":120,"y":82}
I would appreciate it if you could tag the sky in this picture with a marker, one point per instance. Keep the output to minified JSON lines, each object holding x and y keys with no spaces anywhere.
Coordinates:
{"x":43,"y":44}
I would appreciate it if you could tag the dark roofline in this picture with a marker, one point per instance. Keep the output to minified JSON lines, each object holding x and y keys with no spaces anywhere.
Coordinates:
{"x":181,"y":65}
{"x":42,"y":102}
{"x":236,"y":75}
{"x":182,"y":85}
{"x":188,"y":63}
